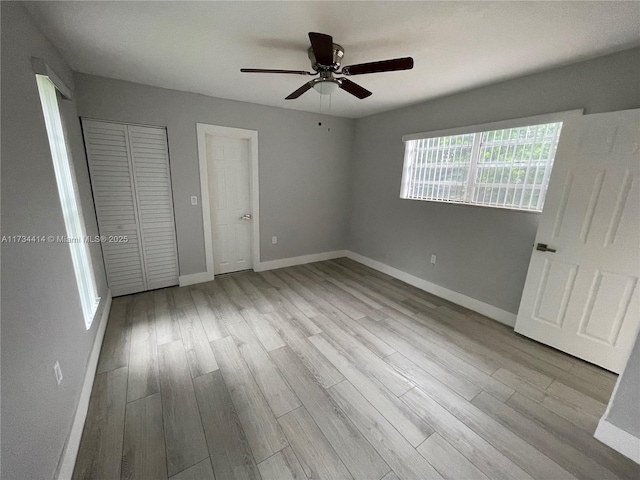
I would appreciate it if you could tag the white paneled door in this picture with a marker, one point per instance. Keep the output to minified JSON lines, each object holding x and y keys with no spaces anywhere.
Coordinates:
{"x":131,"y":183}
{"x":583,"y":297}
{"x":228,"y":168}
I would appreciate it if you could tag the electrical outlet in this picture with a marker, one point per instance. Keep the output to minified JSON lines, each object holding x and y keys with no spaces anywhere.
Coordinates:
{"x":58,"y":372}
{"x":433,"y":259}
{"x":194,"y":200}
{"x":274,"y":240}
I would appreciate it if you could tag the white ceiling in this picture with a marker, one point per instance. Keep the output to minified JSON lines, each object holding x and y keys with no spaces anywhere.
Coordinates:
{"x":201,"y":46}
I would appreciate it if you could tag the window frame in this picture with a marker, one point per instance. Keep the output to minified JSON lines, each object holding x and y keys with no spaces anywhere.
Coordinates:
{"x":67,"y":187}
{"x":477,"y":129}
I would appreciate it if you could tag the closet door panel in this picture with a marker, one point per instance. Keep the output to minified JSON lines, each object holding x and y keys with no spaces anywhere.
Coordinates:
{"x":115,"y":202}
{"x":152,"y":177}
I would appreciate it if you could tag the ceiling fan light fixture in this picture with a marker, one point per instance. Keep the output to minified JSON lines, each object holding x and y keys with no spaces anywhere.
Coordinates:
{"x":326,"y":87}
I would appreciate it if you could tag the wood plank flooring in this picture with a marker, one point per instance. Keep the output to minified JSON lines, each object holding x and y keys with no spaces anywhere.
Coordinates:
{"x":333,"y":370}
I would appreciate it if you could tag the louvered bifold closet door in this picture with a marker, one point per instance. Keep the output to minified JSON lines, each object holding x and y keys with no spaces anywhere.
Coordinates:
{"x":112,"y":182}
{"x":155,"y":204}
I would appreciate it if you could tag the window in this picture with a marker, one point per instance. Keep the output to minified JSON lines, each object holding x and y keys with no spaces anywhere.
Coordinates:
{"x":507,"y":168}
{"x":69,"y":199}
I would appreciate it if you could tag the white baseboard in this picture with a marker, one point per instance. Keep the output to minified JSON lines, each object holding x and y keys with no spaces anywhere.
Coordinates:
{"x":485,"y":309}
{"x":289,"y":262}
{"x":201,"y":277}
{"x":70,"y":452}
{"x":619,"y":440}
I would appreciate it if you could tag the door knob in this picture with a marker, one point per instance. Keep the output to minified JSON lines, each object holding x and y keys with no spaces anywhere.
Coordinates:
{"x":246,"y":216}
{"x":542,"y":247}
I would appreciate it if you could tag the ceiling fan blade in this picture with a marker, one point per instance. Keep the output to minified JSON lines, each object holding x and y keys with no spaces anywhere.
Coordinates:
{"x":322,"y":45}
{"x":300,"y":91}
{"x":393,"y":65}
{"x":353,"y":88}
{"x":262,"y":70}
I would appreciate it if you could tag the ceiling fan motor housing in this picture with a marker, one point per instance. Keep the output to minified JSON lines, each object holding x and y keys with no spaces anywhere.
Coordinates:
{"x":338,"y":53}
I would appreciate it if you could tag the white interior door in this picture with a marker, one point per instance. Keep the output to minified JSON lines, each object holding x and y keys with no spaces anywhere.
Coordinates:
{"x":228,"y":168}
{"x":583,"y":298}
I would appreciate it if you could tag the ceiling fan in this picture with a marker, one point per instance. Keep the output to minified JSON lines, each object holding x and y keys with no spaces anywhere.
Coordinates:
{"x":325,"y":59}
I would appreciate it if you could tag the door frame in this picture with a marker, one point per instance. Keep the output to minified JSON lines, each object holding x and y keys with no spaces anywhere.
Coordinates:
{"x":204,"y":129}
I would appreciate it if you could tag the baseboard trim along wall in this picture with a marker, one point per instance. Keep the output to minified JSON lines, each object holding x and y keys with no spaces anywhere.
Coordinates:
{"x":200,"y":277}
{"x":618,"y":439}
{"x":485,"y":309}
{"x":70,"y":452}
{"x":290,"y":262}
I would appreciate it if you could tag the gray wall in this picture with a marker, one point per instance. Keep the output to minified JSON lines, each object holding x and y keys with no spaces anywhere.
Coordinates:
{"x":624,"y":412}
{"x":304,"y":167}
{"x":482,"y":252}
{"x":42,"y":319}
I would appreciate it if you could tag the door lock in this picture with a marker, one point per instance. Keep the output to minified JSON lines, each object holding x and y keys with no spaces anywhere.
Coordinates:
{"x":542,"y":247}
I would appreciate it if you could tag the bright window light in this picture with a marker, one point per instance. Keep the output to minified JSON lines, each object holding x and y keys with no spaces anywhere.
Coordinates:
{"x":508,"y":168}
{"x":68,"y":192}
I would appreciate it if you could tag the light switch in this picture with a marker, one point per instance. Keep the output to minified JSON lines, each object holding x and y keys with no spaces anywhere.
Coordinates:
{"x":194,"y":200}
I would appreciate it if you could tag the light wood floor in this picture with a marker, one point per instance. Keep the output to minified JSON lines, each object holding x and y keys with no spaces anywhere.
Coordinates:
{"x":333,"y":370}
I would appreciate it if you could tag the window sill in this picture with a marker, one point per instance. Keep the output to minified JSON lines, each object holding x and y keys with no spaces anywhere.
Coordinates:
{"x":92,"y":315}
{"x":494,"y":207}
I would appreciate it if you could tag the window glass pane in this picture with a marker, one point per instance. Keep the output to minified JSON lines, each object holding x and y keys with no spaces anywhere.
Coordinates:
{"x":439,"y":168}
{"x":513,"y":166}
{"x":68,"y":199}
{"x":506,"y":168}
